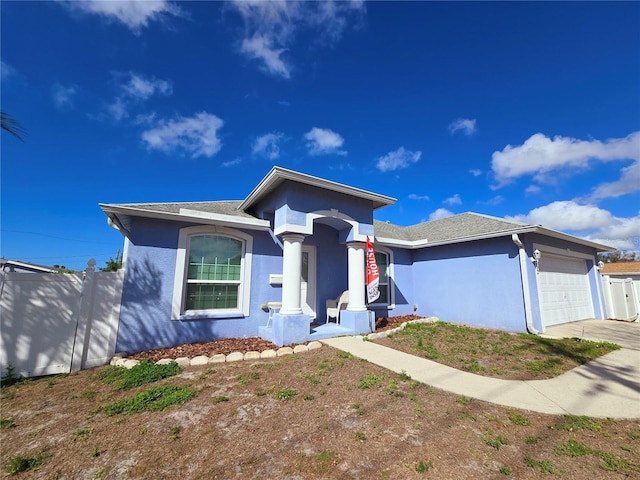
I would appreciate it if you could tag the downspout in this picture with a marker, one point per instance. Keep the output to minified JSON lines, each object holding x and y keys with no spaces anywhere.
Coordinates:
{"x":522,"y":255}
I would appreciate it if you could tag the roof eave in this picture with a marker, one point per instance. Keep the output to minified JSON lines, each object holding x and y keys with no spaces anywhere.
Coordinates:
{"x":422,"y":243}
{"x":186,"y":215}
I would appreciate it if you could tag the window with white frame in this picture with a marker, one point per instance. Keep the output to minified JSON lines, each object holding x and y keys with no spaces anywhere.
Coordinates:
{"x":383,"y":260}
{"x":212,"y":273}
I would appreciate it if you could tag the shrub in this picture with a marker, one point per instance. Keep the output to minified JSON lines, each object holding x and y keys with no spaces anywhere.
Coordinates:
{"x":22,"y":464}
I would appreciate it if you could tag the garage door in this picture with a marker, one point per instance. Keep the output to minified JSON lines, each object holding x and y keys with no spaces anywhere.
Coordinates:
{"x":563,"y":287}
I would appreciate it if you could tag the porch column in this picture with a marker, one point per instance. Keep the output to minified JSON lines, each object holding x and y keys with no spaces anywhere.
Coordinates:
{"x":356,"y":277}
{"x":291,"y":268}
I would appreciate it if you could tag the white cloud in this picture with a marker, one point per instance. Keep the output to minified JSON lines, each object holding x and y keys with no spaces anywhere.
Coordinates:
{"x":623,"y":234}
{"x":589,"y":222}
{"x":629,"y":182}
{"x":197,"y":135}
{"x":532,"y":189}
{"x":540,"y":155}
{"x":467,"y":125}
{"x":567,"y":215}
{"x":135,"y":89}
{"x":142,"y":88}
{"x":497,"y":200}
{"x":440,"y":213}
{"x":267,"y":145}
{"x":260,"y":47}
{"x":231,"y":163}
{"x":6,"y":70}
{"x":271,"y":27}
{"x":63,"y":96}
{"x":135,"y":14}
{"x":454,"y":200}
{"x":413,"y":196}
{"x":401,"y":158}
{"x":476,"y":172}
{"x":323,"y":141}
{"x":118,"y":109}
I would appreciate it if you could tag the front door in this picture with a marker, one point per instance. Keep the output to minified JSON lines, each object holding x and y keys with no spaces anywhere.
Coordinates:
{"x":308,"y":281}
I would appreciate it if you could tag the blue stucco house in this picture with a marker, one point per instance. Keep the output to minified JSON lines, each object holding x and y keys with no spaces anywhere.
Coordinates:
{"x":266,"y":265}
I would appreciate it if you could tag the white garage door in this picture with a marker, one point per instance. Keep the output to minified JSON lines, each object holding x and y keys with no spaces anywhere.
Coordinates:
{"x":563,"y":287}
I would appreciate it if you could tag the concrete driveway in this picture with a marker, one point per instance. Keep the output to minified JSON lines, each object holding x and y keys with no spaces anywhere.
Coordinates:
{"x":625,"y":334}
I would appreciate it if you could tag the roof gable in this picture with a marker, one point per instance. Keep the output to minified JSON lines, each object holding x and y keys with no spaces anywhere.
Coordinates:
{"x":277,"y":175}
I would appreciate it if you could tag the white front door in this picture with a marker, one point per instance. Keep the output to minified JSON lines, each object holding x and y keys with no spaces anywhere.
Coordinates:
{"x":308,"y":281}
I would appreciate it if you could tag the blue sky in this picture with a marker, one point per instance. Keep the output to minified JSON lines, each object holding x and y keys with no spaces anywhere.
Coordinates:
{"x":528,"y":111}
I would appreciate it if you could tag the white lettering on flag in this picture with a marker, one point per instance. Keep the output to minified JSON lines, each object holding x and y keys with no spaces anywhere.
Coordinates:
{"x":373,"y":274}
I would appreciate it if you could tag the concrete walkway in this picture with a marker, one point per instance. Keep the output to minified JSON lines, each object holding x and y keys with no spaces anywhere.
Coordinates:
{"x":606,"y":387}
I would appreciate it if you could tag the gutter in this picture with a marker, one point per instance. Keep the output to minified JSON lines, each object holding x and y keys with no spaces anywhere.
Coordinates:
{"x":522,"y":255}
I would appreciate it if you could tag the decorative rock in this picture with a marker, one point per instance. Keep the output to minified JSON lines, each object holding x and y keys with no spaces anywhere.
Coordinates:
{"x":284,"y":351}
{"x":300,"y":349}
{"x":218,"y":358}
{"x":270,"y":353}
{"x":183,"y":361}
{"x":252,"y":356}
{"x":130,"y":363}
{"x":164,"y":361}
{"x":119,"y":362}
{"x":235,"y":356}
{"x":375,"y":336}
{"x":199,"y":360}
{"x":314,"y":345}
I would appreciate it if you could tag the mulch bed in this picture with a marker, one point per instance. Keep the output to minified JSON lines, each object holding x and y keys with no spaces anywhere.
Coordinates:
{"x":248,"y":344}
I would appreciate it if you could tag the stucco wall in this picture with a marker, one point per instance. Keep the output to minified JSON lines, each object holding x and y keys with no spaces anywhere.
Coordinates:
{"x":145,"y":318}
{"x":474,"y":283}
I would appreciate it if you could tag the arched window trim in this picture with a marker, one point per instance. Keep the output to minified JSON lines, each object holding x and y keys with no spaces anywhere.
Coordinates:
{"x":180,"y":278}
{"x":392,"y":294}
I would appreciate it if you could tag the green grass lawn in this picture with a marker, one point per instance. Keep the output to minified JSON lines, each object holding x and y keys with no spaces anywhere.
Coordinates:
{"x":496,"y":353}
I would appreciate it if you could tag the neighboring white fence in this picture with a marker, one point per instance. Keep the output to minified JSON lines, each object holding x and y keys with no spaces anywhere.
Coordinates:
{"x":622,"y":298}
{"x":58,"y":323}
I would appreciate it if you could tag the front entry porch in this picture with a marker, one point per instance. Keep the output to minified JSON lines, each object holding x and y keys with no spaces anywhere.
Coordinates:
{"x":289,"y":329}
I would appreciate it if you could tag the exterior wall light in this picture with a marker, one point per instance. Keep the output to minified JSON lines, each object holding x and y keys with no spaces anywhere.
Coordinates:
{"x":536,"y":258}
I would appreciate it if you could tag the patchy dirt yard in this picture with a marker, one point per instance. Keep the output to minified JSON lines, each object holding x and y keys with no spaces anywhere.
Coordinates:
{"x":318,"y":414}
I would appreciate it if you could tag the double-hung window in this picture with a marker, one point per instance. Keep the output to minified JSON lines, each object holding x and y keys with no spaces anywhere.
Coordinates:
{"x":213,"y":273}
{"x":212,"y":279}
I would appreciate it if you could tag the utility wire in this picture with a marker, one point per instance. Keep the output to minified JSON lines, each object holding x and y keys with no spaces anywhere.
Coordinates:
{"x":55,"y":236}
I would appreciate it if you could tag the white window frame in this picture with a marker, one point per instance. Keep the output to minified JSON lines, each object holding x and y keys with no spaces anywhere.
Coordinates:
{"x":390,"y":275}
{"x":178,"y":303}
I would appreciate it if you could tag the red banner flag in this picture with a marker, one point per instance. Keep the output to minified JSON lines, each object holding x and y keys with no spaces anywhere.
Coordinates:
{"x":373,"y":274}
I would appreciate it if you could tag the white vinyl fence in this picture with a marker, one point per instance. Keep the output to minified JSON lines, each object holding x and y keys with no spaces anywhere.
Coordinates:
{"x":58,"y":323}
{"x":622,"y":298}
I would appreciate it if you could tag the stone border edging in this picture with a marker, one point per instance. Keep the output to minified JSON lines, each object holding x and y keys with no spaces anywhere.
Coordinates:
{"x":120,"y":360}
{"x":386,"y":333}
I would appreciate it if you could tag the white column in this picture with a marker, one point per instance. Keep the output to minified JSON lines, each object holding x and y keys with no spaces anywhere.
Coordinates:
{"x":291,"y":270}
{"x":356,"y":277}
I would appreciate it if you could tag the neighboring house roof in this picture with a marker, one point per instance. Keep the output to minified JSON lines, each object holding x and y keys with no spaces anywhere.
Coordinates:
{"x":621,"y":268}
{"x":12,"y":265}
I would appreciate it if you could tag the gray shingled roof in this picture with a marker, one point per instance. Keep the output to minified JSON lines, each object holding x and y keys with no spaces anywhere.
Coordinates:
{"x":451,"y":228}
{"x":223,"y":207}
